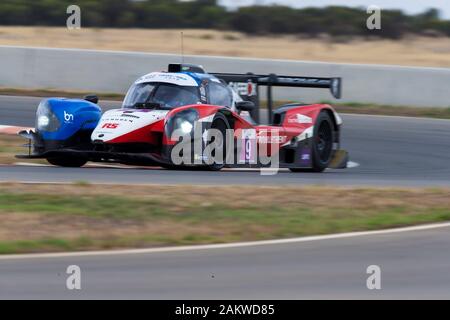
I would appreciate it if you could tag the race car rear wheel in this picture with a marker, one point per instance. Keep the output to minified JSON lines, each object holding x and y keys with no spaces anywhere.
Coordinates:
{"x":322,"y":144}
{"x":65,"y":162}
{"x":220,"y":123}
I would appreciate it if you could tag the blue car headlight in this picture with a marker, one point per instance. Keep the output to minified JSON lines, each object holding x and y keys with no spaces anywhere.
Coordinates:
{"x":46,"y":120}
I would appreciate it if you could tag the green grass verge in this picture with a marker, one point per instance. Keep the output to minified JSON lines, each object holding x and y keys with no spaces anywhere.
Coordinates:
{"x":10,"y":145}
{"x":387,"y":110}
{"x":172,"y":216}
{"x":59,"y":93}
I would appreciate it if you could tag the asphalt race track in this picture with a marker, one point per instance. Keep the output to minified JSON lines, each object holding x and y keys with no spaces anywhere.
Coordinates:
{"x":413,"y":264}
{"x":390,"y":151}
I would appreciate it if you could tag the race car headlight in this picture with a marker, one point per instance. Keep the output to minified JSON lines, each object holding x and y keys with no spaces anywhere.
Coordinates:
{"x":43,"y":121}
{"x":186,"y":127}
{"x":46,"y":120}
{"x":182,"y":122}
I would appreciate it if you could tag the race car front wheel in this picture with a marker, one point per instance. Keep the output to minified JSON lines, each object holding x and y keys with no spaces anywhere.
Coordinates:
{"x":221,"y":124}
{"x":322,"y":144}
{"x":65,"y":162}
{"x":215,"y":143}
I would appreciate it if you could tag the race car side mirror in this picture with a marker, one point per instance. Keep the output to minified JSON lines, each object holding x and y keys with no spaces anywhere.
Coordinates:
{"x":245,"y":105}
{"x":91,"y":98}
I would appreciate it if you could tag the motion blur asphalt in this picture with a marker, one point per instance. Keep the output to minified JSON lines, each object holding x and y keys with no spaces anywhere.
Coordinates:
{"x":390,"y":151}
{"x":414,"y":265}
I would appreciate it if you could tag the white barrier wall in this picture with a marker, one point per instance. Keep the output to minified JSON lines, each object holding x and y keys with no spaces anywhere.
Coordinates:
{"x":106,"y":71}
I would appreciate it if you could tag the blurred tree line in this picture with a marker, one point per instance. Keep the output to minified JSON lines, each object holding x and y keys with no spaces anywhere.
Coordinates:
{"x":254,"y":20}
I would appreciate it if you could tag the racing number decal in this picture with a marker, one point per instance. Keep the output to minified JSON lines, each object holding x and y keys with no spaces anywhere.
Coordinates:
{"x":248,"y":147}
{"x":110,"y":126}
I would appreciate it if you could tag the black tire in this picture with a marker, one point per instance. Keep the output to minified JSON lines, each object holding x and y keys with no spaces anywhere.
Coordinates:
{"x":67,"y":162}
{"x":322,"y":144}
{"x":220,"y":123}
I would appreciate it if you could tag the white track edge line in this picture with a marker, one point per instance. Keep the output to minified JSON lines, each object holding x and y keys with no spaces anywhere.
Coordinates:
{"x":225,"y":245}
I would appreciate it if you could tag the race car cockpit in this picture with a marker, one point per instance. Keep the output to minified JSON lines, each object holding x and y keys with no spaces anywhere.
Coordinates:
{"x":160,"y":95}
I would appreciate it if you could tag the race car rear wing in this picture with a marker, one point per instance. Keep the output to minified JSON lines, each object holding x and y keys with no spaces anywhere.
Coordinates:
{"x":247,"y":85}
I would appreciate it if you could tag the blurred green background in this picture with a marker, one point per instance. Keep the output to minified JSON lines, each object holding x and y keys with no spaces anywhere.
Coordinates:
{"x":257,"y":20}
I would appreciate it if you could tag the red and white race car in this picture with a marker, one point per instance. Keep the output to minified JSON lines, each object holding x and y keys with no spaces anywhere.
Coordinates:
{"x":188,"y":118}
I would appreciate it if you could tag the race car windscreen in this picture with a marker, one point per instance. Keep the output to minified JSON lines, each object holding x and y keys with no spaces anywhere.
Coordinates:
{"x":164,"y":95}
